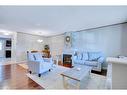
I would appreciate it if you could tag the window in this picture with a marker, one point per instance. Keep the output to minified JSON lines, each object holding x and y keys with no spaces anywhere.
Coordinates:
{"x":0,"y":45}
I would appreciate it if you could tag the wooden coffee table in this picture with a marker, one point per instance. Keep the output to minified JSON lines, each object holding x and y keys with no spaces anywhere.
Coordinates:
{"x":75,"y":74}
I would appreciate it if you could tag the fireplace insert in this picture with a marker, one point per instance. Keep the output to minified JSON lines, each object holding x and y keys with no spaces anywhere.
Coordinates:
{"x":67,"y":61}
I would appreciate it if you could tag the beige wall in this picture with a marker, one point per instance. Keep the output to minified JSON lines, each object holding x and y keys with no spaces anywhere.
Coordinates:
{"x":56,"y":44}
{"x":111,"y":40}
{"x":27,"y":42}
{"x":13,"y":37}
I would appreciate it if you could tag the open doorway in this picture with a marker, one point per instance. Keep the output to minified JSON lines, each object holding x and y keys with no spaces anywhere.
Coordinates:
{"x":2,"y":49}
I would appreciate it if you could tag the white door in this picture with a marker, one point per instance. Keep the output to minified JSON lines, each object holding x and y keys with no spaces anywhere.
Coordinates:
{"x":2,"y":51}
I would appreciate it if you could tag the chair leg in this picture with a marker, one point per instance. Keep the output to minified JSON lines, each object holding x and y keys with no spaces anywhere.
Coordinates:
{"x":39,"y":75}
{"x":30,"y":72}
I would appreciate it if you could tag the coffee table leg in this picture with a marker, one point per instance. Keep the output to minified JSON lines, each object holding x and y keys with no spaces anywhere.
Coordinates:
{"x":64,"y":82}
{"x":89,"y":72}
{"x":78,"y":84}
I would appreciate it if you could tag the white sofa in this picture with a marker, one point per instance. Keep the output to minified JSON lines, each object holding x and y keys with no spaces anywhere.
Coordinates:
{"x":94,"y":59}
{"x":108,"y":84}
{"x":38,"y":64}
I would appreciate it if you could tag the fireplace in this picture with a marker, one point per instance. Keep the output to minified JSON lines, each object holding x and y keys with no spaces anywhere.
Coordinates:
{"x":67,"y":60}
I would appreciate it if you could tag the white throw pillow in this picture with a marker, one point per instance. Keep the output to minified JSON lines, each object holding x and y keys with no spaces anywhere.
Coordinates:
{"x":38,"y":57}
{"x":79,"y":56}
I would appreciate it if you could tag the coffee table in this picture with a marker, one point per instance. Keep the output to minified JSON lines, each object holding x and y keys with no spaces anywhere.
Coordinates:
{"x":77,"y":73}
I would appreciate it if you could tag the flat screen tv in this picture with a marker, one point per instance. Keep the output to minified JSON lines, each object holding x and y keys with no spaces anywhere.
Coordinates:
{"x":8,"y":43}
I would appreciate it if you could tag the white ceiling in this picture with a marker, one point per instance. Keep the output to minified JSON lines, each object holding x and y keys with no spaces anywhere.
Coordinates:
{"x":54,"y":20}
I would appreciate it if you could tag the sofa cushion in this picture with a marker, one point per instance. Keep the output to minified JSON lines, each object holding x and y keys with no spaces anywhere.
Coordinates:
{"x":85,"y":56}
{"x":79,"y":61}
{"x":91,"y":63}
{"x":101,"y":59}
{"x":94,"y":56}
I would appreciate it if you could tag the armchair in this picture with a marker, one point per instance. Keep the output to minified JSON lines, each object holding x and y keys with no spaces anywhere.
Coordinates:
{"x":37,"y":64}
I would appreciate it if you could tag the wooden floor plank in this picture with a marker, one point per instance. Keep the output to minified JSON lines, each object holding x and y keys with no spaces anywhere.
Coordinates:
{"x":14,"y":77}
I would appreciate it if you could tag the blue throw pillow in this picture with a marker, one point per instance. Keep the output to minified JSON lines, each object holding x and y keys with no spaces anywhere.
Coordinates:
{"x":85,"y":56}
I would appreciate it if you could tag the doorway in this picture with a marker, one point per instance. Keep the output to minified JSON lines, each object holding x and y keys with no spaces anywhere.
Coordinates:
{"x":2,"y":48}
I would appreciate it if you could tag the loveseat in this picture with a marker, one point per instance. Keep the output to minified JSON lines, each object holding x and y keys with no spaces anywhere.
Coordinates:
{"x":94,"y":59}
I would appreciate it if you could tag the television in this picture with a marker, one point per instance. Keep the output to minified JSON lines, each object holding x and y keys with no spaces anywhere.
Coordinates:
{"x":8,"y":43}
{"x":8,"y":53}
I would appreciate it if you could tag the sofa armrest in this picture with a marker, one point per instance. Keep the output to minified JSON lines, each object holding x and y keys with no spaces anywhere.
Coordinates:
{"x":99,"y":65}
{"x":33,"y":66}
{"x":74,"y":58}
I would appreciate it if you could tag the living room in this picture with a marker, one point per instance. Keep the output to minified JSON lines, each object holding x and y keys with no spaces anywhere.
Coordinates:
{"x":67,"y":36}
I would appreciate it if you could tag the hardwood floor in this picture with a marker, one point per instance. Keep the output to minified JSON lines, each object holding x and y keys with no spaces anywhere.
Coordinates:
{"x":14,"y":77}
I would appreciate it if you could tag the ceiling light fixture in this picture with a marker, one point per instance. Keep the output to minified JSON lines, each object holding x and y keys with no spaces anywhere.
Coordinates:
{"x":6,"y":33}
{"x":39,"y":40}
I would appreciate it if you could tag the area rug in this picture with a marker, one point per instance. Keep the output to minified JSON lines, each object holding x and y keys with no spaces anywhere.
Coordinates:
{"x":53,"y":80}
{"x":24,"y":65}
